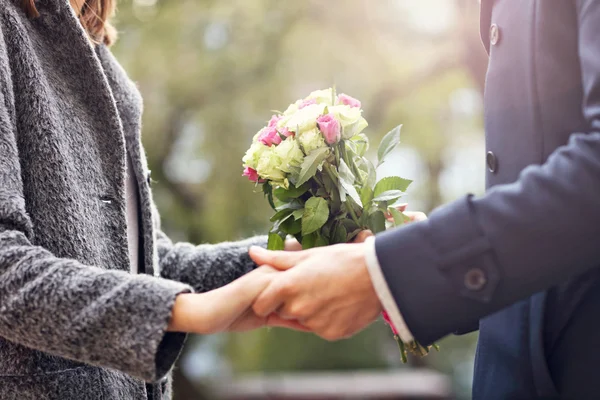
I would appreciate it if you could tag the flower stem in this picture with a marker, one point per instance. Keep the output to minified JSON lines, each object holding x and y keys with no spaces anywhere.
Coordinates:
{"x":402,"y":349}
{"x":353,"y":214}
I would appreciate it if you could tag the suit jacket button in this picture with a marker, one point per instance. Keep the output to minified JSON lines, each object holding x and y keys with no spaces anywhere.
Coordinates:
{"x":491,"y":161}
{"x":494,"y":34}
{"x":475,"y":279}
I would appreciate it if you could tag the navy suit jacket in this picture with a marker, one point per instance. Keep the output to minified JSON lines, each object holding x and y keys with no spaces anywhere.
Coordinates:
{"x":521,"y":260}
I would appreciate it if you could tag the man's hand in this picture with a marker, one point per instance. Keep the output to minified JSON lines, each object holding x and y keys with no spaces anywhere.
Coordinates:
{"x":227,"y":308}
{"x":329,"y":290}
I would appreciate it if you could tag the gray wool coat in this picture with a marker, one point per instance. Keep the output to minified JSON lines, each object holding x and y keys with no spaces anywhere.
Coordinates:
{"x":74,"y":323}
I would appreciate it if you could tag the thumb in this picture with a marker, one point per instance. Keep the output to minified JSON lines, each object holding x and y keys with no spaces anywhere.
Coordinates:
{"x":281,"y":260}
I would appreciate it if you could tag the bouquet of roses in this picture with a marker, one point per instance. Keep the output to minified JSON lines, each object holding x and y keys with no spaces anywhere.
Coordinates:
{"x":310,"y":160}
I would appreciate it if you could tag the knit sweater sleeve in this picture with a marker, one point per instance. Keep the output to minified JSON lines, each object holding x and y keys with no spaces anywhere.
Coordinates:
{"x":205,"y":267}
{"x":59,"y":306}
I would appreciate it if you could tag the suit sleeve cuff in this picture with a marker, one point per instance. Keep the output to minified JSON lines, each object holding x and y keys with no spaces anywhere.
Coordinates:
{"x":383,"y":292}
{"x":441,"y":272}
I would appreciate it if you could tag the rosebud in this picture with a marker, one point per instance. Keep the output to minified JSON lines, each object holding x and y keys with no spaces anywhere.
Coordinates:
{"x":251,"y":174}
{"x":274,"y":121}
{"x":269,"y":136}
{"x":348,"y":100}
{"x":330,"y":128}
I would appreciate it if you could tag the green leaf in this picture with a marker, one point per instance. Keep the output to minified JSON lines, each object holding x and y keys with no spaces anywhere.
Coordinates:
{"x":292,"y":205}
{"x":351,"y":147}
{"x":316,"y":214}
{"x":308,"y":241}
{"x":391,"y":183}
{"x":350,"y":225}
{"x":377,"y":222}
{"x":388,"y":195}
{"x":268,"y":192}
{"x":352,"y":235}
{"x":291,"y":226}
{"x":339,"y":234}
{"x":321,"y":242}
{"x":291,"y":193}
{"x":372,"y":173}
{"x":347,"y":184}
{"x":275,"y":242}
{"x":345,"y":172}
{"x":298,"y":214}
{"x":311,"y":163}
{"x":282,"y":215}
{"x":366,"y":195}
{"x":362,"y":144}
{"x":388,"y":143}
{"x":397,"y":215}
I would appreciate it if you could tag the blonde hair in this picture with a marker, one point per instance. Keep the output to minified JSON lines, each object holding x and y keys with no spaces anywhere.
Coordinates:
{"x":94,"y":15}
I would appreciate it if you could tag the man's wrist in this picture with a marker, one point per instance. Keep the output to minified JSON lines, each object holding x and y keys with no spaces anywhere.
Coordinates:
{"x":383,"y":291}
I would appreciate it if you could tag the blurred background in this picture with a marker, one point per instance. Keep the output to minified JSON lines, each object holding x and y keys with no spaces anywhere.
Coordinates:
{"x":210,"y":72}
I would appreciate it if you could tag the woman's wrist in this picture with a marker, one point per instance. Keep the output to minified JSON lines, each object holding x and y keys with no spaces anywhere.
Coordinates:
{"x":182,"y":316}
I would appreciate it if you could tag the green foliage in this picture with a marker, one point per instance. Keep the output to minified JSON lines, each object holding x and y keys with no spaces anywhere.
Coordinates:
{"x":316,"y":214}
{"x":276,"y":241}
{"x":399,"y":218}
{"x":391,"y":183}
{"x":388,"y":143}
{"x":311,"y":163}
{"x":389,"y":196}
{"x":346,"y":181}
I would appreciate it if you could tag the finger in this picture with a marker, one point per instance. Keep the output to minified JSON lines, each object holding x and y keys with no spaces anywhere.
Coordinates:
{"x":281,"y":260}
{"x":292,"y":245}
{"x":362,"y":236}
{"x":275,"y":320}
{"x":270,"y":299}
{"x":416,"y":216}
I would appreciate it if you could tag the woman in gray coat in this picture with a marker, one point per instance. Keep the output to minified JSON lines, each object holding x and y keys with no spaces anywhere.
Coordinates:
{"x":95,"y":300}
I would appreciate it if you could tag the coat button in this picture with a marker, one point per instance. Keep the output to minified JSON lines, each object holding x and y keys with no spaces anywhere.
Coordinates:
{"x":491,"y":161}
{"x":475,"y":279}
{"x":494,"y":34}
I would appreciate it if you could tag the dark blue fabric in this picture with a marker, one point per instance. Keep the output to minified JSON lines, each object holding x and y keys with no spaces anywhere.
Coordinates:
{"x":535,"y":235}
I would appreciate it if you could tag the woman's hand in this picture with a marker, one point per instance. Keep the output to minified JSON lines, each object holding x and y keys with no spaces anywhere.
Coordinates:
{"x":227,"y":308}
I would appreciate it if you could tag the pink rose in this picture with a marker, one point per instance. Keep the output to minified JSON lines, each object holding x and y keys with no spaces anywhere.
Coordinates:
{"x":307,"y":103}
{"x":269,"y":136}
{"x":285,"y":132}
{"x":330,"y":128}
{"x":387,"y":319}
{"x":251,"y":174}
{"x":274,"y":120}
{"x":348,"y":100}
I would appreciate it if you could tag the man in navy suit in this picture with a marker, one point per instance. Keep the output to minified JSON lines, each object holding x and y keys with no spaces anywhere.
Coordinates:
{"x":521,"y":262}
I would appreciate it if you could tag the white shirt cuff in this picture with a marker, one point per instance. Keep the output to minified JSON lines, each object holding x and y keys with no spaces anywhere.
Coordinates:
{"x":383,"y":292}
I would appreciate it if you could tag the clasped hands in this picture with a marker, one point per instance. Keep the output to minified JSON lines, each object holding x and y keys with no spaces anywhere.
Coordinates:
{"x":326,"y":290}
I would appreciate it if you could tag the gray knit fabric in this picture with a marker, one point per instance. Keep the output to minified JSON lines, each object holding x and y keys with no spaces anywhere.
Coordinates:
{"x":74,"y":323}
{"x":132,"y":206}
